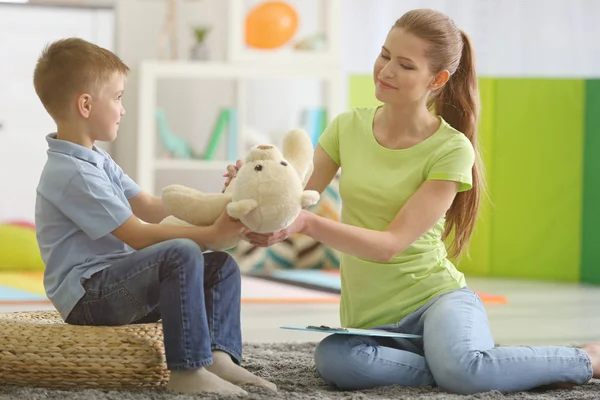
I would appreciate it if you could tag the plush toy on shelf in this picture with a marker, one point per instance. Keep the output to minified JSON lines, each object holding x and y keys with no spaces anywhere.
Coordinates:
{"x":267,"y":193}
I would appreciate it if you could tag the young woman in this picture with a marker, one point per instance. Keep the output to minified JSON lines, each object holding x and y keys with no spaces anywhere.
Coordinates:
{"x":410,"y":176}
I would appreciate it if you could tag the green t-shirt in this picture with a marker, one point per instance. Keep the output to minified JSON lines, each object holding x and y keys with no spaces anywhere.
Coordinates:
{"x":375,"y":183}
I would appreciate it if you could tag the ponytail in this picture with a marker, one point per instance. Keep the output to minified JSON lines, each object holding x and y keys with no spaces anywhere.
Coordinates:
{"x":458,"y":104}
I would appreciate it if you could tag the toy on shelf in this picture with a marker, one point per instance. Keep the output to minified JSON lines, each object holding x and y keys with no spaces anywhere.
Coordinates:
{"x":314,"y":121}
{"x":316,"y":42}
{"x":19,"y":251}
{"x":178,"y":147}
{"x":270,"y":25}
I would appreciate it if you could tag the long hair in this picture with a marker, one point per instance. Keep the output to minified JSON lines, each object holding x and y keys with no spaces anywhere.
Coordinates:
{"x":457,"y":102}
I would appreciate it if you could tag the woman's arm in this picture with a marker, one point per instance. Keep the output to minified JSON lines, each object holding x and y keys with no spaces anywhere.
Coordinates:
{"x":324,"y":170}
{"x":420,"y":213}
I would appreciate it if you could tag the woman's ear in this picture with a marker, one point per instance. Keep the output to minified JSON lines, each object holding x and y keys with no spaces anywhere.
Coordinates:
{"x":84,"y":105}
{"x":439,"y":80}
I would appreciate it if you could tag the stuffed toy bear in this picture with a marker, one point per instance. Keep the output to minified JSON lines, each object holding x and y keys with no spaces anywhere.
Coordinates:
{"x":267,"y":193}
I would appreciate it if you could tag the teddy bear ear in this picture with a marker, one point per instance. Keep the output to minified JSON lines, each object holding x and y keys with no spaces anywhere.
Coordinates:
{"x":298,"y":151}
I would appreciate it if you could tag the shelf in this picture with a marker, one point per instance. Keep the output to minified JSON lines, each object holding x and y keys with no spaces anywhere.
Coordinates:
{"x":174,"y":164}
{"x":212,"y":70}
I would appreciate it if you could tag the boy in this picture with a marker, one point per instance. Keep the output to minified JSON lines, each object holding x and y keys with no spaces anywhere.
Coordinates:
{"x":103,"y":265}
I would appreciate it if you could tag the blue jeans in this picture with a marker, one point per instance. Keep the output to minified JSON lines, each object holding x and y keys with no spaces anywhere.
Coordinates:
{"x":456,"y":353}
{"x":197,"y":296}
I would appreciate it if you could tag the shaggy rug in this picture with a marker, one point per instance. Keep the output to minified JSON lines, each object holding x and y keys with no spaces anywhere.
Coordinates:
{"x":290,"y":366}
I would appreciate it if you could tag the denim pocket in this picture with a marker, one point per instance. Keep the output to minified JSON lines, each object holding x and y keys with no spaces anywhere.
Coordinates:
{"x":115,"y":308}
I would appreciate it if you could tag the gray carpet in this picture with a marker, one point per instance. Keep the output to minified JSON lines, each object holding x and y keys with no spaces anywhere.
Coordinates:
{"x":291,"y":367}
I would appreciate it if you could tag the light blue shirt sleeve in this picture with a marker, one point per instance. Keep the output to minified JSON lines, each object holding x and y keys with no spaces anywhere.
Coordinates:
{"x":90,"y":202}
{"x":130,"y":188}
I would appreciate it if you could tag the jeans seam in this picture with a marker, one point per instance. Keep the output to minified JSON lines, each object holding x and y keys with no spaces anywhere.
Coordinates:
{"x":180,"y":366}
{"x":152,"y":264}
{"x":184,"y":318}
{"x":213,"y":310}
{"x":120,"y":291}
{"x":549,"y":358}
{"x":394,"y":362}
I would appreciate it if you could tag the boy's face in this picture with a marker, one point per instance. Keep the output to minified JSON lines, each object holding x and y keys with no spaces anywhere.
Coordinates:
{"x":107,"y":110}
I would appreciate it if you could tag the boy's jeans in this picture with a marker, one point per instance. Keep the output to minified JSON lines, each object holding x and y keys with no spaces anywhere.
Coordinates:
{"x":197,"y":296}
{"x":456,"y":353}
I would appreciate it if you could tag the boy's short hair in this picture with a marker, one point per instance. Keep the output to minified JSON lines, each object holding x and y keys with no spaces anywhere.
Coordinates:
{"x":71,"y":66}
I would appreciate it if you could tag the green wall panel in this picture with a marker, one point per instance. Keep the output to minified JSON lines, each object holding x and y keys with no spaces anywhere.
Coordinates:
{"x":590,"y":263}
{"x":538,"y":178}
{"x":478,"y":260}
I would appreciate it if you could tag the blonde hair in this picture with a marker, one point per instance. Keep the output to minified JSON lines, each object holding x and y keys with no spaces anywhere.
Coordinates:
{"x":71,"y":66}
{"x":457,"y":102}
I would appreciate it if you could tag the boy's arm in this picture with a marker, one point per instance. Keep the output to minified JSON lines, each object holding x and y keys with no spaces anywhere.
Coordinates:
{"x":88,"y":200}
{"x":148,"y":208}
{"x":139,"y":236}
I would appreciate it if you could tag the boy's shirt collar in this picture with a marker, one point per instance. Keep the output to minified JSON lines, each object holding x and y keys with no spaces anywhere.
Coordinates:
{"x":93,"y":156}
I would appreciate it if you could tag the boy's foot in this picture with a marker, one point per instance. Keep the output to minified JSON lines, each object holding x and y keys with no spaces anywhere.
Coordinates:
{"x":224,"y":367}
{"x":201,"y":381}
{"x":593,"y":351}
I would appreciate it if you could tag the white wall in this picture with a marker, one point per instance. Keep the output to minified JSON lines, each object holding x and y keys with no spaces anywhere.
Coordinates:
{"x":24,"y":31}
{"x":538,"y":38}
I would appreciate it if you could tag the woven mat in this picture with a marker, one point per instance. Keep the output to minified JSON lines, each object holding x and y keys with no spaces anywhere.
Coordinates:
{"x":290,"y":366}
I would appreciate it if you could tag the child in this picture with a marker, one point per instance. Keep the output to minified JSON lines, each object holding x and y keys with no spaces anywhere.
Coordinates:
{"x":417,"y":180}
{"x":103,"y":265}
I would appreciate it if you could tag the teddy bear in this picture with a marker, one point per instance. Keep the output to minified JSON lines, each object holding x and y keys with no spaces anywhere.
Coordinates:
{"x":266,"y":195}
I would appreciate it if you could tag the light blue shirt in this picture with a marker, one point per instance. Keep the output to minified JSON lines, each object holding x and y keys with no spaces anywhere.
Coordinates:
{"x":81,"y":198}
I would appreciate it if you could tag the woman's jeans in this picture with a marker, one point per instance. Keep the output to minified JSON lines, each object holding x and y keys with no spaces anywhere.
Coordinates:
{"x":197,"y":296}
{"x":456,"y":353}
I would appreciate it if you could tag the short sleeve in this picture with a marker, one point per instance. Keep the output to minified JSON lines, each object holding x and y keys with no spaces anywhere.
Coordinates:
{"x":130,"y":188}
{"x":455,"y":164}
{"x":90,"y":202}
{"x":330,"y":141}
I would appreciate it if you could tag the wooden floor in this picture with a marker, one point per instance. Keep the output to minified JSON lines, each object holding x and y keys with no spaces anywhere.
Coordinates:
{"x":537,"y":313}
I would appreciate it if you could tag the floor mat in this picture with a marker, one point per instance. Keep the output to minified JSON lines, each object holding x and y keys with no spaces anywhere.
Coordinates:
{"x":329,"y":281}
{"x":28,"y":289}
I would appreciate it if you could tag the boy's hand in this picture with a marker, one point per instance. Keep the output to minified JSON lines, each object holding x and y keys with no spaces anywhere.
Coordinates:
{"x":232,"y":172}
{"x":226,"y":231}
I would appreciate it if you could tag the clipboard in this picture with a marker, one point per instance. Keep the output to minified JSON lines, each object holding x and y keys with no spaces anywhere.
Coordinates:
{"x":352,"y":331}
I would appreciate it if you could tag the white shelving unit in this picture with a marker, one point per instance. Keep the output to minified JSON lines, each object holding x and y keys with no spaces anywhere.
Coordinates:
{"x":152,"y":71}
{"x":242,"y":66}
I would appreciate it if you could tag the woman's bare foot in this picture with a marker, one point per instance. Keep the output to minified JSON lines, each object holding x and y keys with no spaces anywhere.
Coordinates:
{"x":593,"y":351}
{"x":224,"y":367}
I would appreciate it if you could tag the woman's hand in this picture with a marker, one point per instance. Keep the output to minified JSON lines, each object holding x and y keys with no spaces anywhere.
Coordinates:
{"x":269,"y":239}
{"x":232,"y":171}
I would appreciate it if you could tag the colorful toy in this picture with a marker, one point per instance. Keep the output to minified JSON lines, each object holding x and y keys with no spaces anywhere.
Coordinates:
{"x":19,"y":251}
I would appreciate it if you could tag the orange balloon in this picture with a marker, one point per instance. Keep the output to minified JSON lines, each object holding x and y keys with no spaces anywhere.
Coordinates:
{"x":270,"y":25}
